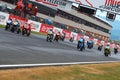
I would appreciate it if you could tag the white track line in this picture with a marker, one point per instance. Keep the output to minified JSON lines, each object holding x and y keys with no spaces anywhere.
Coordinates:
{"x":51,"y":64}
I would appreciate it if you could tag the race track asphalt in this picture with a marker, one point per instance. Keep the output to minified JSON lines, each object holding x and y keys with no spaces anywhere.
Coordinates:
{"x":18,"y":49}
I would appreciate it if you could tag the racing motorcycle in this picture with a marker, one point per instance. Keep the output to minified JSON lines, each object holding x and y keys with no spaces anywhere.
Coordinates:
{"x":80,"y":46}
{"x":89,"y":45}
{"x":8,"y":26}
{"x":50,"y":37}
{"x":26,"y":31}
{"x":62,"y":38}
{"x":57,"y":37}
{"x":115,"y":50}
{"x":107,"y":51}
{"x":100,"y":47}
{"x":16,"y":28}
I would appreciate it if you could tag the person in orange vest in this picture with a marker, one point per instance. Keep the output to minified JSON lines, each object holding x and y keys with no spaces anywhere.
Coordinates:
{"x":30,"y":5}
{"x":19,"y":8}
{"x":19,"y":4}
{"x":35,"y":9}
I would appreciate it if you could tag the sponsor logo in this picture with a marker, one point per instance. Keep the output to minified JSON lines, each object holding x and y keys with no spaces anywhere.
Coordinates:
{"x":112,"y":2}
{"x":36,"y":26}
{"x":87,"y":1}
{"x":111,"y":5}
{"x":108,"y":5}
{"x":2,"y":18}
{"x":39,"y":0}
{"x":53,"y":2}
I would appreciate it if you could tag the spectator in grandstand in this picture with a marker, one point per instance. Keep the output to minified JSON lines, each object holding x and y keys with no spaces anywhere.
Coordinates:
{"x":19,"y":8}
{"x":28,"y":10}
{"x":29,"y":6}
{"x":25,"y":2}
{"x":35,"y":10}
{"x":20,"y":4}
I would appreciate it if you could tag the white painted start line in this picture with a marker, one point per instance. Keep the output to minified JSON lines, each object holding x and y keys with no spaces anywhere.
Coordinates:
{"x":51,"y":64}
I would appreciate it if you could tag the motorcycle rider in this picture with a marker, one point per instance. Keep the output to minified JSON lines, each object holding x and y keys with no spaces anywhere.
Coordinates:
{"x":8,"y":23}
{"x":62,"y":36}
{"x":15,"y":25}
{"x":26,"y":29}
{"x":50,"y":35}
{"x":107,"y":50}
{"x":50,"y":31}
{"x":100,"y":45}
{"x":116,"y":49}
{"x":90,"y":44}
{"x":57,"y":36}
{"x":18,"y":24}
{"x":71,"y":38}
{"x":82,"y":42}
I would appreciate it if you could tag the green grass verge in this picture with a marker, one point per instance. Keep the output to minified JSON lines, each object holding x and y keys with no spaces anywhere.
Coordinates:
{"x":109,"y":71}
{"x":3,"y":26}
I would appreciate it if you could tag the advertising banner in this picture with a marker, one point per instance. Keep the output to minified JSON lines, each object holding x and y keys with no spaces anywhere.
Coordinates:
{"x":61,"y":4}
{"x":56,"y":30}
{"x":105,"y":43}
{"x":67,"y":33}
{"x":3,"y":18}
{"x":91,"y":38}
{"x":98,"y":41}
{"x":108,"y":5}
{"x":20,"y":19}
{"x":102,"y":42}
{"x":35,"y":25}
{"x":86,"y":38}
{"x":44,"y":28}
{"x":79,"y":36}
{"x":112,"y":45}
{"x":73,"y":34}
{"x":95,"y":41}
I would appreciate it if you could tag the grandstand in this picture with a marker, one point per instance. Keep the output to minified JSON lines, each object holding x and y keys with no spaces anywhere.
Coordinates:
{"x":73,"y":20}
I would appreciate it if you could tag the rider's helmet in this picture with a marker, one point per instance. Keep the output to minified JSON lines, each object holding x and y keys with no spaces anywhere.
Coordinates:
{"x":108,"y":44}
{"x":10,"y":19}
{"x":51,"y":29}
